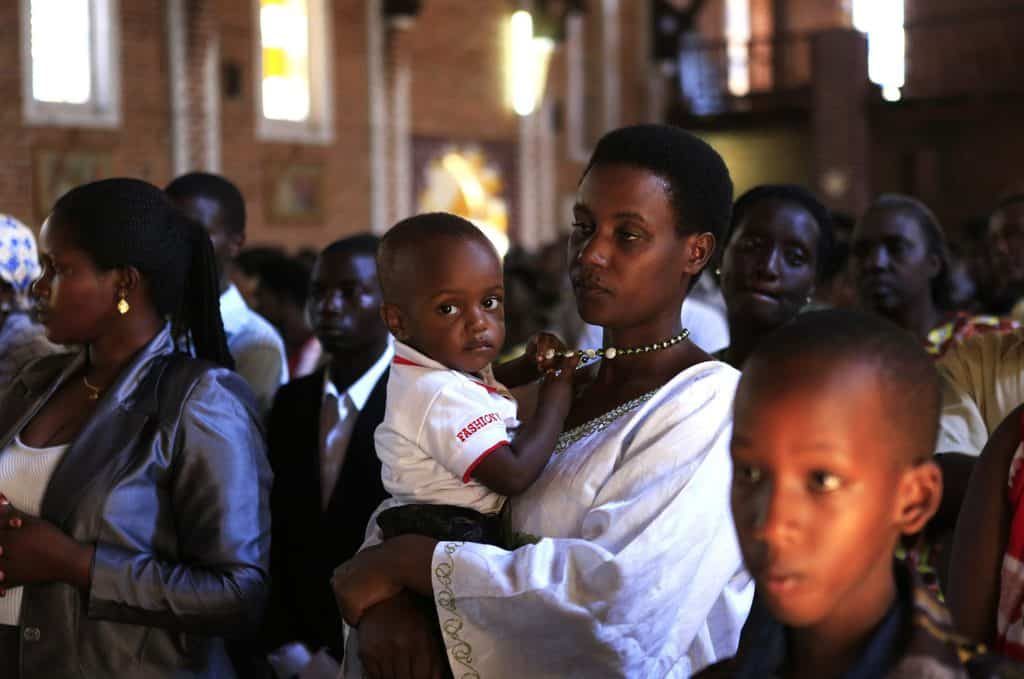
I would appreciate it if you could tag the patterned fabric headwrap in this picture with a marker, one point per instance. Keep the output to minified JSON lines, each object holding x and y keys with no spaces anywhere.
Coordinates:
{"x":19,"y":259}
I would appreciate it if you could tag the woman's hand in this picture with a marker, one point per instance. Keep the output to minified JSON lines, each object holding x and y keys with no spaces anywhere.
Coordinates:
{"x":398,"y":639}
{"x":362,"y":582}
{"x":381,"y":572}
{"x":34,"y":551}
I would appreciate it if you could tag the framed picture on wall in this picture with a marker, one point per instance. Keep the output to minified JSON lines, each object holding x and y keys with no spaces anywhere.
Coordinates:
{"x":295,"y":192}
{"x":473,"y":179}
{"x":56,"y":172}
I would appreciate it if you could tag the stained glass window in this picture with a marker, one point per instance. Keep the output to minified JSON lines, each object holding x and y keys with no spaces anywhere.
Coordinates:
{"x":284,"y":45}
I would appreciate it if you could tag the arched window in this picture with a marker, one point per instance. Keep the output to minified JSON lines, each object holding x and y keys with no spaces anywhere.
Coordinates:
{"x":70,"y":73}
{"x":292,"y":71}
{"x":882,"y":21}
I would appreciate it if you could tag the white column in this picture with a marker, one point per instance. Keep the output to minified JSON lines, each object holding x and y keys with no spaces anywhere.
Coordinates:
{"x":402,"y":139}
{"x":529,"y":213}
{"x":612,"y":71}
{"x":378,"y":94}
{"x":211,"y":105}
{"x":578,"y":148}
{"x":538,"y":202}
{"x":647,"y":71}
{"x":177,"y":41}
{"x":547,"y":190}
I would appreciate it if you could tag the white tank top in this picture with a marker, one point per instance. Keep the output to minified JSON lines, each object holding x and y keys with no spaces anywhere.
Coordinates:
{"x":24,"y":475}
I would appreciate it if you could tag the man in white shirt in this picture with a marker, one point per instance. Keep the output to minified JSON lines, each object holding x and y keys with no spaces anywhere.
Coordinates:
{"x":327,"y":474}
{"x":258,"y":350}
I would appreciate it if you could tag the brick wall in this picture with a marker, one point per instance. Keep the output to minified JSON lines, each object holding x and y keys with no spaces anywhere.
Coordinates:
{"x":140,"y":147}
{"x":454,"y":57}
{"x":253,"y":163}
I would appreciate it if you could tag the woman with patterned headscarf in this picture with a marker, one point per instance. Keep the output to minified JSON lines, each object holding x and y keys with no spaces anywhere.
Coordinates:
{"x":21,"y":339}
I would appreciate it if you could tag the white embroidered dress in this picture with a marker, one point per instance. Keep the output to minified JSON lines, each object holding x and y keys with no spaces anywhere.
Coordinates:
{"x":639,"y":573}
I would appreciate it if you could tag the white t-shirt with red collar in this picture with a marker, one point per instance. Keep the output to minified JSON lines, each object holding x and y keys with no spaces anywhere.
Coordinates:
{"x":439,"y":425}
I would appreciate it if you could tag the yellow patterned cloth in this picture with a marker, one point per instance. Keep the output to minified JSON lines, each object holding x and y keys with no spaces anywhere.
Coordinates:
{"x":962,"y":326}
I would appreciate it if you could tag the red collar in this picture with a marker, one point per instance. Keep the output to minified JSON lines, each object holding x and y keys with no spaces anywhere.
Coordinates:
{"x":399,"y":360}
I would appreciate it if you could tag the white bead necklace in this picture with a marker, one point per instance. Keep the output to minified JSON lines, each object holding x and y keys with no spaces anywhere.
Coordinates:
{"x":613,"y":352}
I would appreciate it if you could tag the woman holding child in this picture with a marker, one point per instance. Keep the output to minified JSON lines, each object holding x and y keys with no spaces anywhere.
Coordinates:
{"x":637,"y":571}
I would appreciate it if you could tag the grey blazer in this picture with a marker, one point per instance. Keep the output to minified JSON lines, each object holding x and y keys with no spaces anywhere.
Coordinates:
{"x":169,"y":479}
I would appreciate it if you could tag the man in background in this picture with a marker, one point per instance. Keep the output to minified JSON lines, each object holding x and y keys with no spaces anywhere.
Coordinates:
{"x":258,"y":350}
{"x":327,"y":476}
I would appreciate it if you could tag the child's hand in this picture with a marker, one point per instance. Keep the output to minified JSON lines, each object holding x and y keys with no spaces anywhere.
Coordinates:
{"x":359,"y":584}
{"x":558,"y":378}
{"x":545,"y":350}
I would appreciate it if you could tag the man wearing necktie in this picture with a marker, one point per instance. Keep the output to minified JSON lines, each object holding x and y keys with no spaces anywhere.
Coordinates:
{"x":326,"y":472}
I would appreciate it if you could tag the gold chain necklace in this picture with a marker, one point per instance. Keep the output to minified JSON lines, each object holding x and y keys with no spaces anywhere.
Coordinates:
{"x":613,"y":352}
{"x":94,"y":391}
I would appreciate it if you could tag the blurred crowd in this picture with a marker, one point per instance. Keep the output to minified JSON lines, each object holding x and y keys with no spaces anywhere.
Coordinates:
{"x":173,"y":397}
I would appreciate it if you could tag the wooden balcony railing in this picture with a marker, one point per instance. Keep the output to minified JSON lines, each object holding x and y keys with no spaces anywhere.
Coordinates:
{"x":976,"y":52}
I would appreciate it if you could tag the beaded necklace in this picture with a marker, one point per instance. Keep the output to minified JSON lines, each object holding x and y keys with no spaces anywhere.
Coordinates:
{"x":610,"y":353}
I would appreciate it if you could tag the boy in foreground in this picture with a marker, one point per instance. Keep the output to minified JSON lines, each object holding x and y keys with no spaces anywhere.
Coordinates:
{"x":835,"y":419}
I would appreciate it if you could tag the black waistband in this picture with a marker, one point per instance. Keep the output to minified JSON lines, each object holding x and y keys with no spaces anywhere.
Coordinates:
{"x":10,"y":651}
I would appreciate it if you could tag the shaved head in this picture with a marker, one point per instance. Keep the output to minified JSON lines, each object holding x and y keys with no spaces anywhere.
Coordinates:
{"x":818,"y":347}
{"x":420,"y":243}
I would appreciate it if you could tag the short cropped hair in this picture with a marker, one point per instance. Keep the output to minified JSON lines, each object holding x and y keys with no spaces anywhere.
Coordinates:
{"x":408,"y":240}
{"x":288,"y":277}
{"x":250,"y":261}
{"x":216,"y":188}
{"x":817,"y":340}
{"x":360,"y":244}
{"x":699,"y":185}
{"x":798,"y":195}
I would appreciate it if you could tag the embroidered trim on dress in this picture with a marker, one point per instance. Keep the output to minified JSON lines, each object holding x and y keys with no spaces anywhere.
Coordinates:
{"x":601,"y":422}
{"x":460,"y":650}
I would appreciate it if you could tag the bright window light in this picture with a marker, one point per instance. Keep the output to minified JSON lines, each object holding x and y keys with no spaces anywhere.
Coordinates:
{"x":284,"y":42}
{"x":737,"y":40}
{"x":528,"y":60}
{"x":61,"y":34}
{"x":882,"y":21}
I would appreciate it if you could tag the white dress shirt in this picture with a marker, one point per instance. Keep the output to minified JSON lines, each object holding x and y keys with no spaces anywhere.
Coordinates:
{"x":338,"y":416}
{"x":256,"y":346}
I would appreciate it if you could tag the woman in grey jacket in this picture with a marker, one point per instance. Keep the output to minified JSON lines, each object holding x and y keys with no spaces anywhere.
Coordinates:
{"x":134,"y":521}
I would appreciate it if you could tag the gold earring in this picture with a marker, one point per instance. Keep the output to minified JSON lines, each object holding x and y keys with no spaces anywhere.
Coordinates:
{"x":123,"y":306}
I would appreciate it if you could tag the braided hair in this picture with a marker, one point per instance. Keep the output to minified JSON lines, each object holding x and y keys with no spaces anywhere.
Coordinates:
{"x":128,"y":222}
